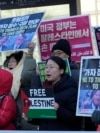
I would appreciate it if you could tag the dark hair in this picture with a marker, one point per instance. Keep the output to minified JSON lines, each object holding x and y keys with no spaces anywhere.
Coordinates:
{"x":61,"y":63}
{"x":17,"y":55}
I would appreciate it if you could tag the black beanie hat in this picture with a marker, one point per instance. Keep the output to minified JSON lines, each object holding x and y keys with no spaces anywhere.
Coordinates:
{"x":62,"y":45}
{"x":61,"y":63}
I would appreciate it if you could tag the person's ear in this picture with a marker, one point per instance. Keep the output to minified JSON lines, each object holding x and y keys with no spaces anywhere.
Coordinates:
{"x":61,"y":71}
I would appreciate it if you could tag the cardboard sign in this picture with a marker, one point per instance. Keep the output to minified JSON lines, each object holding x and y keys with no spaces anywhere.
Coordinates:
{"x":16,"y":32}
{"x":41,"y":67}
{"x":97,"y":37}
{"x":76,"y":29}
{"x":89,"y":86}
{"x":38,"y":103}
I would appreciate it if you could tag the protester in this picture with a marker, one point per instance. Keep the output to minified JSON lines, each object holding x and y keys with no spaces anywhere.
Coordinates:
{"x":14,"y":64}
{"x":29,"y":66}
{"x":65,"y":94}
{"x":7,"y":103}
{"x":96,"y":119}
{"x":63,"y":50}
{"x":21,"y":65}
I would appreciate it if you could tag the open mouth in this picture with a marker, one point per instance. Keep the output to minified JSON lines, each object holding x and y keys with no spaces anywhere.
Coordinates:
{"x":10,"y":68}
{"x":48,"y":75}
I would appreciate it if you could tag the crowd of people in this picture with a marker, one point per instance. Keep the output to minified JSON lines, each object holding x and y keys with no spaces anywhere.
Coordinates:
{"x":20,"y":71}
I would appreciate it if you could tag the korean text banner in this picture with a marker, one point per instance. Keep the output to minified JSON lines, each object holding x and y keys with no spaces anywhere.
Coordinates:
{"x":16,"y":32}
{"x":89,"y":86}
{"x":75,"y":29}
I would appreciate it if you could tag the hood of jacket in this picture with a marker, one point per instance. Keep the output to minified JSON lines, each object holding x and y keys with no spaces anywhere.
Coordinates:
{"x":66,"y":82}
{"x":6,"y":80}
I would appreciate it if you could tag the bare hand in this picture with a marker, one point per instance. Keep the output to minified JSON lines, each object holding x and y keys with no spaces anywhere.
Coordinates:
{"x":31,"y":46}
{"x":56,"y":106}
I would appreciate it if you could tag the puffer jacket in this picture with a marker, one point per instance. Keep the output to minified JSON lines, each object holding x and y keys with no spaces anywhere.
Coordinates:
{"x":7,"y":102}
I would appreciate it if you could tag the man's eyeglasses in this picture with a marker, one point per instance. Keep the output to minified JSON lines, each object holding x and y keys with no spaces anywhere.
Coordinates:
{"x":57,"y":53}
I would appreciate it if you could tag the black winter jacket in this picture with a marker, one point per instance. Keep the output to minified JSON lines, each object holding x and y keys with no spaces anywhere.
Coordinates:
{"x":65,"y":94}
{"x":74,"y":71}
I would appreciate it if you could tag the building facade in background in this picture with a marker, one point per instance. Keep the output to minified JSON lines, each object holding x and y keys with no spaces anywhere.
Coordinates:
{"x":91,"y":7}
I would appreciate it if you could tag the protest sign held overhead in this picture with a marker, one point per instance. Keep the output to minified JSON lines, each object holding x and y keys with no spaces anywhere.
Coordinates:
{"x":16,"y":32}
{"x":38,"y":103}
{"x":76,"y":30}
{"x":89,"y":86}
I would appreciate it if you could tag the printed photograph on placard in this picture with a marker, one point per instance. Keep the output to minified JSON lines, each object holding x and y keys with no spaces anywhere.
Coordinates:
{"x":16,"y":32}
{"x":89,"y":86}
